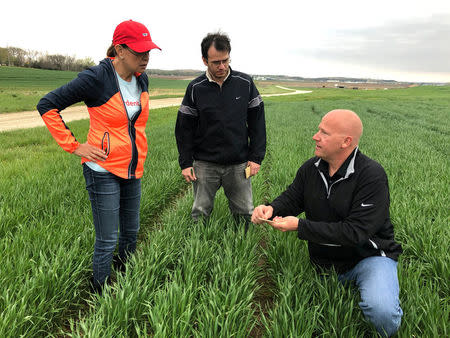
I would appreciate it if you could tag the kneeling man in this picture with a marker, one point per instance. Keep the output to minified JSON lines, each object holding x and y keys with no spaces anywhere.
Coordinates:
{"x":345,"y":197}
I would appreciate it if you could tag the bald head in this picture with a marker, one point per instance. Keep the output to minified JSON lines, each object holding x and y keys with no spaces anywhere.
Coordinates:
{"x":346,"y":123}
{"x":338,"y":135}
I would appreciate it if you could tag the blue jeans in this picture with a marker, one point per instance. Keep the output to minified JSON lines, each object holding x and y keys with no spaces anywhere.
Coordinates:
{"x":237,"y":189}
{"x":115,"y":205}
{"x":376,"y":278}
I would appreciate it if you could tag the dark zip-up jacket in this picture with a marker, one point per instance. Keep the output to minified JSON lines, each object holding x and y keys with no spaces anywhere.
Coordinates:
{"x":347,"y":220}
{"x":223,"y":125}
{"x":122,"y":138}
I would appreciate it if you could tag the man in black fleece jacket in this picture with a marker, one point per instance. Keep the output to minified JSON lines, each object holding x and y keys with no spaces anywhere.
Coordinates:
{"x":345,"y":197}
{"x":221,"y":132}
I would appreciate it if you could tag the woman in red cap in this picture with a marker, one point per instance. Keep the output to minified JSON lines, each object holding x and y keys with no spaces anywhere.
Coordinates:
{"x":116,"y":94}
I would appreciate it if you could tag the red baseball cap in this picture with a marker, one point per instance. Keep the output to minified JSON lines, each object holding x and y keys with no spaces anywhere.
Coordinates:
{"x":135,"y":35}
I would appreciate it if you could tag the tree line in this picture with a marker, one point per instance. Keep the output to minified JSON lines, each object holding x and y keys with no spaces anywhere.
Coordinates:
{"x":14,"y":56}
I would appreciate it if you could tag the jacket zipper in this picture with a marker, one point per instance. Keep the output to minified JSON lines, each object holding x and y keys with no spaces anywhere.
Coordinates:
{"x":129,"y":124}
{"x":105,"y":143}
{"x":328,"y":189}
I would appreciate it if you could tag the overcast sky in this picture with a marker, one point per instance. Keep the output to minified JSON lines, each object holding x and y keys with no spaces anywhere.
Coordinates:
{"x":403,"y":40}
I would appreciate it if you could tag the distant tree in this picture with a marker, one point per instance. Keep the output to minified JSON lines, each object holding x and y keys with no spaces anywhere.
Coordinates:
{"x":57,"y":61}
{"x":69,"y":62}
{"x":83,"y":64}
{"x":3,"y":56}
{"x":42,"y":62}
{"x":17,"y":56}
{"x":31,"y":58}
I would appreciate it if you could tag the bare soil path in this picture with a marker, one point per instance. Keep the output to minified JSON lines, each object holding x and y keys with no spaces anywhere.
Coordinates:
{"x":293,"y":92}
{"x":30,"y":119}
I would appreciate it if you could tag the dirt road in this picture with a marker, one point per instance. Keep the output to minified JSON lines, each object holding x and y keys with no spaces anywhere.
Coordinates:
{"x":293,"y":92}
{"x":30,"y":119}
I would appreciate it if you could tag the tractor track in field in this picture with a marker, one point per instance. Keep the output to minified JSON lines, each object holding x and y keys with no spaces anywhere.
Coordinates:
{"x":152,"y":223}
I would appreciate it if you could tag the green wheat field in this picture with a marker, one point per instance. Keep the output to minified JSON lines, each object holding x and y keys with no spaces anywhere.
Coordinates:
{"x":192,"y":280}
{"x":21,"y":88}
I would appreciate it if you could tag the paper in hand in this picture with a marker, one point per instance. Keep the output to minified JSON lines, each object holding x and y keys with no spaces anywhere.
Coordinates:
{"x":266,"y":220}
{"x":247,"y":172}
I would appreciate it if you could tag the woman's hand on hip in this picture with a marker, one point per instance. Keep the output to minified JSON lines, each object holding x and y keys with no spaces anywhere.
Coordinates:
{"x":90,"y":152}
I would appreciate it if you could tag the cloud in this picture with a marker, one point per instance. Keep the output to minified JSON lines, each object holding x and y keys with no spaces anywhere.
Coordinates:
{"x":419,"y":45}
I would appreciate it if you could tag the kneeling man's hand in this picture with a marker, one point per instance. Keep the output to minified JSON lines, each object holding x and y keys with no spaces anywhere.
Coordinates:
{"x":261,"y":212}
{"x":288,"y":223}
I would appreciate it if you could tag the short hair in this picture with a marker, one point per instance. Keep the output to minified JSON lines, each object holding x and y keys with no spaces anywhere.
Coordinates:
{"x":220,"y":40}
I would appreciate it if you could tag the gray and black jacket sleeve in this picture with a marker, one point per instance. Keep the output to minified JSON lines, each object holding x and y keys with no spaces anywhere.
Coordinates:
{"x":256,"y":126}
{"x":187,"y":121}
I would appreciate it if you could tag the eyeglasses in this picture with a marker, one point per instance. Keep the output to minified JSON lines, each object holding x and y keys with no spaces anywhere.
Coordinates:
{"x":139,"y":55}
{"x":219,"y":62}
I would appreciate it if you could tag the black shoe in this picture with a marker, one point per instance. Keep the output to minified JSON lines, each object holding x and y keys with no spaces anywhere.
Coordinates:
{"x":119,"y":264}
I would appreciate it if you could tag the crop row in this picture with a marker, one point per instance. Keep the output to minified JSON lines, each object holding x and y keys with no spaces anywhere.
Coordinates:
{"x":46,"y":229}
{"x":211,"y":279}
{"x":312,"y":303}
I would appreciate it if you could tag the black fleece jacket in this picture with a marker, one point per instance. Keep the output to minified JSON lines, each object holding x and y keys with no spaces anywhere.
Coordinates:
{"x":347,"y":216}
{"x":223,"y":125}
